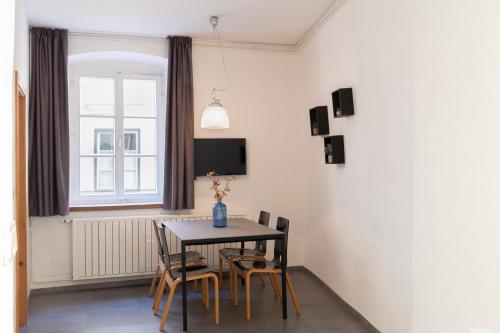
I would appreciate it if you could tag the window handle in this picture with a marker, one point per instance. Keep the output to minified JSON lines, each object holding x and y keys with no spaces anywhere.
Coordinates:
{"x":120,"y":143}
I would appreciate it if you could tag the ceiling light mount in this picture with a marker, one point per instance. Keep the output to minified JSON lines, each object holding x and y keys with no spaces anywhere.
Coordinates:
{"x":214,"y":21}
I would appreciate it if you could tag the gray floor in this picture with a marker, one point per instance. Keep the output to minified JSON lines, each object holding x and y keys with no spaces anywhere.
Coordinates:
{"x":128,"y":310}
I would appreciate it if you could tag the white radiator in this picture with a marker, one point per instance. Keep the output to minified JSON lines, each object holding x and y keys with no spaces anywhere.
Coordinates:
{"x":127,"y":246}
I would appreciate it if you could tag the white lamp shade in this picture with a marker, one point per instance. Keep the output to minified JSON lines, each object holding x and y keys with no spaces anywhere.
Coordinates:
{"x":214,"y":117}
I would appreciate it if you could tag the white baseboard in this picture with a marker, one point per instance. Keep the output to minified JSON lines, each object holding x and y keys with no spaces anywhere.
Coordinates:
{"x":65,"y":283}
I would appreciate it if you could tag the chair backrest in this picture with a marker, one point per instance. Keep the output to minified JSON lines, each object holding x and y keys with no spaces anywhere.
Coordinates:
{"x":164,"y":246}
{"x":261,"y":246}
{"x":282,"y":225}
{"x":160,"y":249}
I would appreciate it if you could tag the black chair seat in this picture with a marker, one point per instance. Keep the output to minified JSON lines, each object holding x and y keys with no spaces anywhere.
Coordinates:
{"x":257,"y":264}
{"x":176,"y":273}
{"x":232,"y":252}
{"x":190,"y":255}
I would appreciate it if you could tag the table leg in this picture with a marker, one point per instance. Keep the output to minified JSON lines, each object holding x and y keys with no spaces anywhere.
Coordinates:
{"x":242,"y":252}
{"x":184,"y":289}
{"x":283,"y":275}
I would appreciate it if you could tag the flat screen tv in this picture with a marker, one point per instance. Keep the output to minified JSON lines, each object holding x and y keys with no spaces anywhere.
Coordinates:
{"x":224,"y":156}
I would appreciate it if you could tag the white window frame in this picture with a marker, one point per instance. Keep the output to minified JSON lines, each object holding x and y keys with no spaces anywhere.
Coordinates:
{"x":119,"y":197}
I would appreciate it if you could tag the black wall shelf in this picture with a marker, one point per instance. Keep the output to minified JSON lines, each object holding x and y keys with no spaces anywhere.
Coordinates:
{"x":343,"y":105}
{"x":334,"y":149}
{"x":319,"y":120}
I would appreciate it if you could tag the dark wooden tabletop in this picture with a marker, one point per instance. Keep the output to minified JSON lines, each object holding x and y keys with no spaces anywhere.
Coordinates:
{"x":204,"y":230}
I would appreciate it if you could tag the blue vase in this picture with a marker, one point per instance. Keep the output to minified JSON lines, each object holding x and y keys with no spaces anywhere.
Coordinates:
{"x":219,"y":212}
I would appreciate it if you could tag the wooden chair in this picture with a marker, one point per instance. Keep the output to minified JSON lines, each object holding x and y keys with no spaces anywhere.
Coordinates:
{"x":245,"y":267}
{"x":173,"y":276}
{"x":230,"y":254}
{"x":192,"y":258}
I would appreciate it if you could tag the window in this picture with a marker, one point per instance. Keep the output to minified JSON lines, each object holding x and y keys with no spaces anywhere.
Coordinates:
{"x":116,"y":125}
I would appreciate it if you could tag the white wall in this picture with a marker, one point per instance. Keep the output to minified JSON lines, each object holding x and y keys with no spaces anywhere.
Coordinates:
{"x":264,"y":106}
{"x":410,"y":221}
{"x":457,"y":180}
{"x":21,"y":47}
{"x":359,"y":215}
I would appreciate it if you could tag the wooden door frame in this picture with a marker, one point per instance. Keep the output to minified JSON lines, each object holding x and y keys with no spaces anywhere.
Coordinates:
{"x":21,"y":202}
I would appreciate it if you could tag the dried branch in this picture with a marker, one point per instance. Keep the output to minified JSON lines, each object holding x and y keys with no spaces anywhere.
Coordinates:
{"x":216,"y":183}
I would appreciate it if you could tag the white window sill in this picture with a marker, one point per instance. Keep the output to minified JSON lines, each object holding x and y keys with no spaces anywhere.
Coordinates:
{"x":93,"y":208}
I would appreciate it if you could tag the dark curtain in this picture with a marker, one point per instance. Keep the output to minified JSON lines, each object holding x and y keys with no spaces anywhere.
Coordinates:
{"x":178,"y":190}
{"x":48,"y":123}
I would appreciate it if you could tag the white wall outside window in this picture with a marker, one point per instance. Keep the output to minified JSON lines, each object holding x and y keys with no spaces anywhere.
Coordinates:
{"x":116,"y":135}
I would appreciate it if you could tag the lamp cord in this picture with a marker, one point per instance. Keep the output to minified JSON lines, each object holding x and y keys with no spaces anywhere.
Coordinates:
{"x":216,"y":31}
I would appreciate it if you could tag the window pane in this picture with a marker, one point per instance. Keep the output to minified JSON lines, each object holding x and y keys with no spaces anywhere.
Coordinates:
{"x":97,"y":175}
{"x":139,"y":98}
{"x":96,"y":135}
{"x":86,"y":175}
{"x":140,"y":174}
{"x":105,"y":142}
{"x":97,"y":96}
{"x":145,"y":131}
{"x":147,"y":174}
{"x":131,"y":141}
{"x":105,"y":180}
{"x":131,"y":176}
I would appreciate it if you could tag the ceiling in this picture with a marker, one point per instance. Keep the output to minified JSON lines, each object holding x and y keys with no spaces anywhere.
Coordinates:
{"x":256,"y":21}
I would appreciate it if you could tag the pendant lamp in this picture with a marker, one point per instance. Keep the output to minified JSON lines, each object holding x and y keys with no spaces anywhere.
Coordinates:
{"x":215,"y":116}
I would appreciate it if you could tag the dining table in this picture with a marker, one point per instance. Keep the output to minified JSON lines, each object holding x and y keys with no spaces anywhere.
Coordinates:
{"x":238,"y":230}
